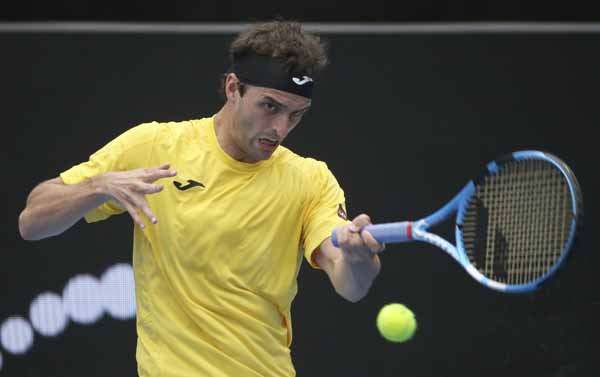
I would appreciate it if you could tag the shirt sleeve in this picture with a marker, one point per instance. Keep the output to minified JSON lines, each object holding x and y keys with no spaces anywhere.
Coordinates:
{"x":130,"y":150}
{"x":326,"y":210}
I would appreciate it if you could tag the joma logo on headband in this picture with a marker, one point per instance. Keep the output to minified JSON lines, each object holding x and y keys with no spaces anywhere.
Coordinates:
{"x":301,"y":81}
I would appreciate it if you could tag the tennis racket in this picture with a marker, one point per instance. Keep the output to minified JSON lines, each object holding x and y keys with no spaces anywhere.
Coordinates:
{"x":515,"y":223}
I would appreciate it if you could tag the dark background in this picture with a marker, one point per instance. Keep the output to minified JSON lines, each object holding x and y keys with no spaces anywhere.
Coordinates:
{"x":306,"y":10}
{"x":402,"y":120}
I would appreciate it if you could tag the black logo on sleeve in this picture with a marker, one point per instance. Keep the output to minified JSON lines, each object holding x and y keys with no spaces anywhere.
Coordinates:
{"x":191,"y":183}
{"x":341,"y":213}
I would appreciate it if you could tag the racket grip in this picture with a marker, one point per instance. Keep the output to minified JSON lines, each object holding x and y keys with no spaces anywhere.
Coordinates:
{"x":385,"y":233}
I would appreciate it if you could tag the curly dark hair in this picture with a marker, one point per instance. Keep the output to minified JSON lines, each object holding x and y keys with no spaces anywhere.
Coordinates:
{"x":302,"y":51}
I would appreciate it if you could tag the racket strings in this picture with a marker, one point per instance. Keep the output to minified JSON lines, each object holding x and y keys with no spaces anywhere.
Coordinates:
{"x":518,"y":222}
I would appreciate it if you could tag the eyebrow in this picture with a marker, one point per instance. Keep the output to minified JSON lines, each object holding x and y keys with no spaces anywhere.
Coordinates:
{"x":269,"y":98}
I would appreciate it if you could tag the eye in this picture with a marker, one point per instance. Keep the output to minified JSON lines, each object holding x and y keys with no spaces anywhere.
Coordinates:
{"x":270,"y":107}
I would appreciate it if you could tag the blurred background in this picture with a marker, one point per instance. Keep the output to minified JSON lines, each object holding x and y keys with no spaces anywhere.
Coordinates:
{"x":403,"y":118}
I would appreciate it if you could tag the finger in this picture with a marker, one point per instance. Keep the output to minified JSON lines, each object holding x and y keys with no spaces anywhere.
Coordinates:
{"x":156,"y":174}
{"x":139,"y":202}
{"x":147,"y":188}
{"x":344,"y":236}
{"x":350,"y":237}
{"x":361,"y":221}
{"x":164,"y":166}
{"x":373,"y":245}
{"x":145,"y":208}
{"x":133,"y":213}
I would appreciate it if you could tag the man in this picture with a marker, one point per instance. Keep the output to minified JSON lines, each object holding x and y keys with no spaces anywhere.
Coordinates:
{"x":223,"y":213}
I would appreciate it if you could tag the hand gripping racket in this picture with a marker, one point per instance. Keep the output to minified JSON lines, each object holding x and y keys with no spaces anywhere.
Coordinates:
{"x":515,"y":223}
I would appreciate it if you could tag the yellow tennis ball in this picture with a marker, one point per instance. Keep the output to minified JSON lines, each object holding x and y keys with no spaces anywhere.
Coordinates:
{"x":396,"y":322}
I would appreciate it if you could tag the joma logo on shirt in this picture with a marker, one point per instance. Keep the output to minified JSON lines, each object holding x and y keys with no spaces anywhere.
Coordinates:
{"x":191,"y":183}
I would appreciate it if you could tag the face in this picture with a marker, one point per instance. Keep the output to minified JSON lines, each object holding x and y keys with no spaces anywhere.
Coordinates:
{"x":262,"y":119}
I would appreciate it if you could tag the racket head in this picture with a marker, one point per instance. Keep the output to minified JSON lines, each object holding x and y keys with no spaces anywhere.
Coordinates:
{"x":516,"y":228}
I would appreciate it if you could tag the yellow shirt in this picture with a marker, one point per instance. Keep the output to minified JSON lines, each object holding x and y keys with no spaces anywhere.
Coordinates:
{"x":216,"y":276}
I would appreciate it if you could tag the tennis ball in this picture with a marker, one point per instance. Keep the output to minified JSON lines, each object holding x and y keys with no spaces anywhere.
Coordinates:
{"x":396,"y":322}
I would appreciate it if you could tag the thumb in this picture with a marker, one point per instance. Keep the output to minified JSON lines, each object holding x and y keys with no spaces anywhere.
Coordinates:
{"x":361,"y":221}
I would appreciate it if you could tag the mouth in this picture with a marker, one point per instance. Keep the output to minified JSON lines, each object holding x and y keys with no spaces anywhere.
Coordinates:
{"x":268,"y":143}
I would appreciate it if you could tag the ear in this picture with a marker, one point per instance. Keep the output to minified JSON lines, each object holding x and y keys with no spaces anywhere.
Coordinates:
{"x":231,"y":86}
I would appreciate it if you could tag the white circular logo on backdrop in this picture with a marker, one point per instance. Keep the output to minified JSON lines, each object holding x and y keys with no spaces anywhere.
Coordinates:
{"x":83,"y":299}
{"x":47,"y":314}
{"x":118,"y":290}
{"x":16,"y":335}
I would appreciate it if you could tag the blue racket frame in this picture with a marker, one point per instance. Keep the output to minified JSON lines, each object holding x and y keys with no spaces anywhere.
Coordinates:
{"x":408,"y":231}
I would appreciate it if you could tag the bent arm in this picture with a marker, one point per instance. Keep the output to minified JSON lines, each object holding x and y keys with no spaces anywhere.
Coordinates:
{"x":53,"y":207}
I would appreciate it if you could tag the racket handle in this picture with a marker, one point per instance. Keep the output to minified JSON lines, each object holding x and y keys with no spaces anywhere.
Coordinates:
{"x":385,"y":233}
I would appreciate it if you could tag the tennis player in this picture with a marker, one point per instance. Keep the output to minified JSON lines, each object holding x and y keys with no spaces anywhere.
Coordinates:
{"x":224,"y":215}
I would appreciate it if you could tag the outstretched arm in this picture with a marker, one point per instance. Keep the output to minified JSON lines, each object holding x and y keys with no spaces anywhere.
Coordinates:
{"x":53,"y":207}
{"x":353,"y":266}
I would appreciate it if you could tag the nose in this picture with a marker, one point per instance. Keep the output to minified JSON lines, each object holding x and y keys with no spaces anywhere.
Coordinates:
{"x":282,"y":126}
